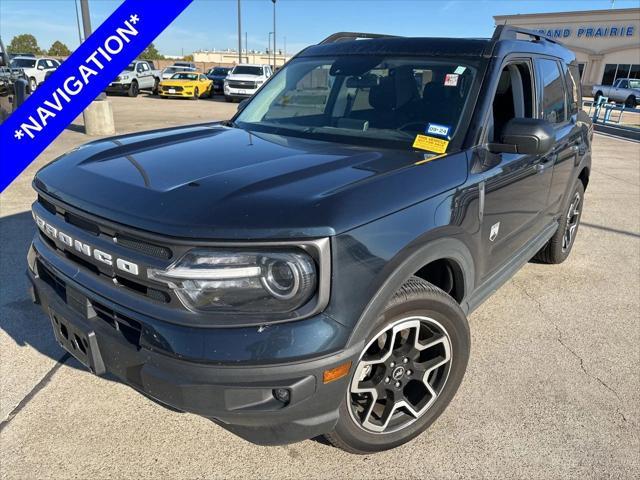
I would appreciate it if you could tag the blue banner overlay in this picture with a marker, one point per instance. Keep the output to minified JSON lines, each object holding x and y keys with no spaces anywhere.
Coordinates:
{"x":79,"y":80}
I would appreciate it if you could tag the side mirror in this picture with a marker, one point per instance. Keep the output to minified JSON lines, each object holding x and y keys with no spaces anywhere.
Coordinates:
{"x":530,"y":136}
{"x":243,"y":104}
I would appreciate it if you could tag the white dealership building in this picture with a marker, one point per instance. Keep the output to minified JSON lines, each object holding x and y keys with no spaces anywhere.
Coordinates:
{"x":606,"y":42}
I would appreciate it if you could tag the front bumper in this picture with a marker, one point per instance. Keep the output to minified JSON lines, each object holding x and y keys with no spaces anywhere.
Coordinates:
{"x":181,"y":94}
{"x":239,"y":92}
{"x":117,"y":87}
{"x":240,"y":397}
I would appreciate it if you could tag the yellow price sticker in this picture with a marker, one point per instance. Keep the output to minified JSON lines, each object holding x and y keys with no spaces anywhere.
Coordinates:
{"x":433,"y":144}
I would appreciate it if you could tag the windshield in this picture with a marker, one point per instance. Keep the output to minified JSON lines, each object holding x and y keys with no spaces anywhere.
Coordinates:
{"x":362,"y":98}
{"x":23,"y":63}
{"x":219,"y":71}
{"x":634,"y":83}
{"x":185,"y":76}
{"x":245,"y":70}
{"x":130,"y":67}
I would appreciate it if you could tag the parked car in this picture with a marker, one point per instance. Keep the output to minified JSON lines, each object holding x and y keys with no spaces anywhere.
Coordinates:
{"x":193,"y":85}
{"x":170,"y":71}
{"x":13,"y":85}
{"x":624,"y":90}
{"x":139,"y":75}
{"x":244,"y":80}
{"x":35,"y":68}
{"x":307,"y":267}
{"x":185,"y":64}
{"x":218,"y":75}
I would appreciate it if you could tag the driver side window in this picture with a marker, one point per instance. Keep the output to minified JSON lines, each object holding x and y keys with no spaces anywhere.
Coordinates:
{"x":513,"y":99}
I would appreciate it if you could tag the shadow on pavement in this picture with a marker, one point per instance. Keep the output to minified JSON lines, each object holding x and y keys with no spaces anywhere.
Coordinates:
{"x":23,"y":321}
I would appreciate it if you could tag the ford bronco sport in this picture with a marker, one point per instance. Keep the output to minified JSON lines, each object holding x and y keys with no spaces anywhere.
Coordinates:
{"x":307,"y":267}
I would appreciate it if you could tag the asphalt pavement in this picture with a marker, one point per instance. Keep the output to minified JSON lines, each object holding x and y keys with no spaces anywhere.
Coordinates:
{"x":552,"y":389}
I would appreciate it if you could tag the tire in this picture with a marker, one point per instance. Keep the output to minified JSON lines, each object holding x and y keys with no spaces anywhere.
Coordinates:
{"x":559,"y":246}
{"x":228,"y":99}
{"x":417,"y":306}
{"x":630,"y":101}
{"x":196,"y":94}
{"x":133,"y":89}
{"x":156,"y":87}
{"x":33,"y":85}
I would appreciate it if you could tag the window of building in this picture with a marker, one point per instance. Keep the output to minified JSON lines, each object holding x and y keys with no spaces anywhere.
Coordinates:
{"x":609,"y":74}
{"x":553,"y":96}
{"x":614,"y":71}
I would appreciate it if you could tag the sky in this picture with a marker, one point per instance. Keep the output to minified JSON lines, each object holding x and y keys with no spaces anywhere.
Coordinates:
{"x":209,"y":24}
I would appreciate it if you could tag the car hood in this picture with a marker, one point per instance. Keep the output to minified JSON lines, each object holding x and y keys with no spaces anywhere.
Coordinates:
{"x":169,"y":83}
{"x":217,"y":182}
{"x":245,"y":78}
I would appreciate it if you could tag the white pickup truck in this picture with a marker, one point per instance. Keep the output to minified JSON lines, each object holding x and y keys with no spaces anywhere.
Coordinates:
{"x":139,"y":75}
{"x":623,"y":90}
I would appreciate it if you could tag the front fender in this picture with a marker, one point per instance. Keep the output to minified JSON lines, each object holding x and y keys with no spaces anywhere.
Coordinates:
{"x":404,"y":266}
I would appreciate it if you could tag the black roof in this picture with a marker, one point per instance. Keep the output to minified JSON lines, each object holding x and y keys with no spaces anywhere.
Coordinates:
{"x":506,"y":39}
{"x":451,"y":47}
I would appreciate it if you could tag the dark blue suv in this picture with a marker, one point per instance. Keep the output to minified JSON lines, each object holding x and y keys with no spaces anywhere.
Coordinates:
{"x":307,"y":267}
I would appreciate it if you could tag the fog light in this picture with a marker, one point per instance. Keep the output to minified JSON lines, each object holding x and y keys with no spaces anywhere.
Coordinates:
{"x":282,"y":394}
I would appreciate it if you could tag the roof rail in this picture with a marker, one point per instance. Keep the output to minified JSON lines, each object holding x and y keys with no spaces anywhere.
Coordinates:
{"x":510,"y":32}
{"x":342,"y":36}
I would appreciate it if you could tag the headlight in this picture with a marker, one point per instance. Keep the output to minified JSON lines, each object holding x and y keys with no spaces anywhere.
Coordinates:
{"x":242,"y":281}
{"x":124,"y":77}
{"x":259,"y":82}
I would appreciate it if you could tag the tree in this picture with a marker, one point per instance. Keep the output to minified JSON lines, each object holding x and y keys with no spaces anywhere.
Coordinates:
{"x":59,"y":49}
{"x":24,"y":43}
{"x":151,"y":53}
{"x":188,"y":58}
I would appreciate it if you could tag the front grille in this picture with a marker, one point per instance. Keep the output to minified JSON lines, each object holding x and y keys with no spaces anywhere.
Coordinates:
{"x":143,"y":247}
{"x":94,"y":228}
{"x":242,"y":84}
{"x":137,"y":284}
{"x":177,"y":89}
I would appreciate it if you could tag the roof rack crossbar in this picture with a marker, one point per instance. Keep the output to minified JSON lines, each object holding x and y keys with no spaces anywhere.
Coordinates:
{"x":342,"y":36}
{"x":510,"y":32}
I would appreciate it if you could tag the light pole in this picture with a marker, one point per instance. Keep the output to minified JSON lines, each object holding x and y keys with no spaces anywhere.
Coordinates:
{"x":239,"y":34}
{"x":78,"y":20}
{"x":269,"y":46}
{"x":98,"y":116}
{"x":274,"y":33}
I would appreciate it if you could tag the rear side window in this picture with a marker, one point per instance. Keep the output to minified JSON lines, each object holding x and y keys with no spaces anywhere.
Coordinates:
{"x":572,"y":80}
{"x":553,"y":96}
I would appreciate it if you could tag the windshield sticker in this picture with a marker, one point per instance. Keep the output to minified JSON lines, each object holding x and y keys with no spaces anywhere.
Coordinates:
{"x":451,"y":80}
{"x":432,"y":144}
{"x":459,"y":70}
{"x":437,"y":129}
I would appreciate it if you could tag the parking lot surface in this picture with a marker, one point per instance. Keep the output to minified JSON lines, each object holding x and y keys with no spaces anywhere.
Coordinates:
{"x":552,"y":389}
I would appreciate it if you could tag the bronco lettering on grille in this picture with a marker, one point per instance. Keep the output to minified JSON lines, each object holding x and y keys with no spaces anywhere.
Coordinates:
{"x":85,"y":248}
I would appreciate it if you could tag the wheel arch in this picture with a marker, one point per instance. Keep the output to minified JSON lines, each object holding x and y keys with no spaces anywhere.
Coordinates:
{"x":423,"y":262}
{"x":583,"y":176}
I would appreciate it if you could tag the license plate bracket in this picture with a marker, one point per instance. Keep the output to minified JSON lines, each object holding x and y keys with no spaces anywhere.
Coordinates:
{"x":79,"y":341}
{"x":172,"y":90}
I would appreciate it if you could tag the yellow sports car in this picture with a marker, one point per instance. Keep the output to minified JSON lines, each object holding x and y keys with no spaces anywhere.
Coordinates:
{"x":186,"y":84}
